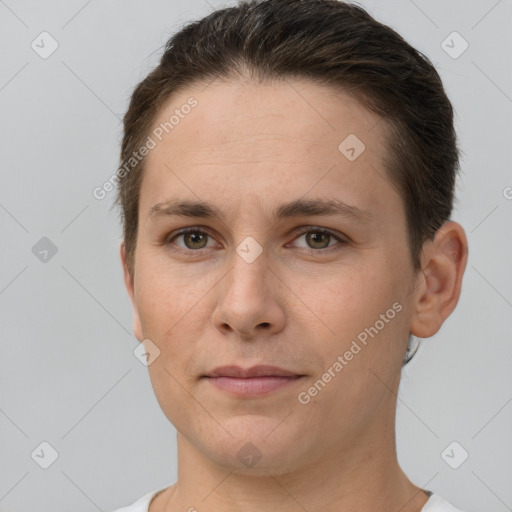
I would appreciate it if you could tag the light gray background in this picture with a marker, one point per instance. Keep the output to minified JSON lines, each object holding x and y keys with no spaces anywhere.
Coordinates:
{"x":68,"y":375}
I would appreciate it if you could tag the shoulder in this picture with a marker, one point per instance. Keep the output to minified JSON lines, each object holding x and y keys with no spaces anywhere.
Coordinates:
{"x":142,"y":504}
{"x":437,"y":503}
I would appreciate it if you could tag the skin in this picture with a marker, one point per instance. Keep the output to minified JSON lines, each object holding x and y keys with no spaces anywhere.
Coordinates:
{"x":248,"y":148}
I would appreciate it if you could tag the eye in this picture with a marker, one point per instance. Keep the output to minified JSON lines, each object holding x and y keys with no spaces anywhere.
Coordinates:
{"x":193,"y":238}
{"x":317,"y":238}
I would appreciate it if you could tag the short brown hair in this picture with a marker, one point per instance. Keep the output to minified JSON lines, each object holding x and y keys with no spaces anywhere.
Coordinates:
{"x":329,"y":42}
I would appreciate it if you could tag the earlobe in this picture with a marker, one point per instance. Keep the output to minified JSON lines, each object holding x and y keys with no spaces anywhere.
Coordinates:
{"x":438,"y":290}
{"x":130,"y":288}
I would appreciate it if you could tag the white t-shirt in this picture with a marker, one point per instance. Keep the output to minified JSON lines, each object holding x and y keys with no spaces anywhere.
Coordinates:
{"x":434,"y":504}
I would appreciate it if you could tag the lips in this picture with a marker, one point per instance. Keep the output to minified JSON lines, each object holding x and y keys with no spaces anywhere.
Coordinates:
{"x":257,"y":381}
{"x":255,"y":371}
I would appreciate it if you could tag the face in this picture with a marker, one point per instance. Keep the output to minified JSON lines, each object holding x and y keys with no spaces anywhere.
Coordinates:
{"x":302,"y":263}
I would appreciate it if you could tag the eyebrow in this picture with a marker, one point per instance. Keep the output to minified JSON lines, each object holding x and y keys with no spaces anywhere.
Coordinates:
{"x":296,"y":208}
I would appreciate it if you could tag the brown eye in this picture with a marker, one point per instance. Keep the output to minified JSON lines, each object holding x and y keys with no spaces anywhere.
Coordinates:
{"x":195,"y":239}
{"x":318,"y":239}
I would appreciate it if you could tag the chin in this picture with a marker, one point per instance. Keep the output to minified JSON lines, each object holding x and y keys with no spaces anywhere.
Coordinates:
{"x":259,"y":446}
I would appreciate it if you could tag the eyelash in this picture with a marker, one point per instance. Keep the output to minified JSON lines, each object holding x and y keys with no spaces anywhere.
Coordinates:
{"x":204,"y":231}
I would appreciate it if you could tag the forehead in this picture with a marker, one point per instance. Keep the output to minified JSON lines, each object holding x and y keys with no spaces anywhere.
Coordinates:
{"x":290,"y":135}
{"x":230,"y":113}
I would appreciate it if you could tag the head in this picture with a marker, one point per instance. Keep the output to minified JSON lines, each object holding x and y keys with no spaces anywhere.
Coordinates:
{"x":270,"y":113}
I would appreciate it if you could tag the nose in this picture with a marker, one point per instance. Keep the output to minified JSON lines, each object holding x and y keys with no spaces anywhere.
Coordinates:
{"x":249,"y":302}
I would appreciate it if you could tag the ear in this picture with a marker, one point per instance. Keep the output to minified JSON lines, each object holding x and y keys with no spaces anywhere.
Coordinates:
{"x":128,"y":281}
{"x":439,"y":281}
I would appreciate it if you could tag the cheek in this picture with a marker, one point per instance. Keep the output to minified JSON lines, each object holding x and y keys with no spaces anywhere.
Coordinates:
{"x":171,"y":303}
{"x":364,"y":320}
{"x":162,"y":311}
{"x":350,"y":299}
{"x":164,"y":295}
{"x":362,"y":359}
{"x":166,"y":313}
